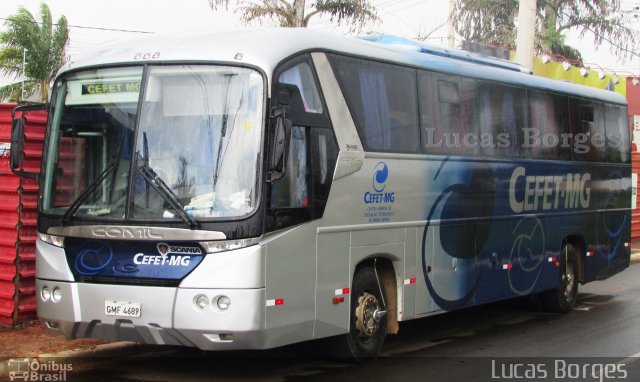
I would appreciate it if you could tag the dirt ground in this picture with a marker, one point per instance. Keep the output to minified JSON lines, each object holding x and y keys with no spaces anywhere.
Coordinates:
{"x":31,"y":339}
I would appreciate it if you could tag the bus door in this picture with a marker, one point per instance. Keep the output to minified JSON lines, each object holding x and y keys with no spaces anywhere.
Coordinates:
{"x":298,"y":188}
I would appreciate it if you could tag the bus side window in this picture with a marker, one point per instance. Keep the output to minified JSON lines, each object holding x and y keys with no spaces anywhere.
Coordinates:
{"x":383,"y":101}
{"x":503,"y":114}
{"x":617,"y":134}
{"x":302,"y":76}
{"x":587,"y":127}
{"x":302,"y":193}
{"x":447,"y":115}
{"x":548,"y":135}
{"x":292,"y":190}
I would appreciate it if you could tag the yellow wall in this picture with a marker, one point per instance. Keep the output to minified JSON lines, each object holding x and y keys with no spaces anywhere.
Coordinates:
{"x":555,"y":70}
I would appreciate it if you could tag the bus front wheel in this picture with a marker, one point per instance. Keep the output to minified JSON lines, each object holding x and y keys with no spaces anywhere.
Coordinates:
{"x":368,"y":319}
{"x":563,"y":298}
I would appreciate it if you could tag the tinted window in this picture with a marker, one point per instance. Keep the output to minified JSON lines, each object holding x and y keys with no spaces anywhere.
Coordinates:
{"x":302,"y":76}
{"x":383,"y":102}
{"x":587,"y":127}
{"x":298,"y":94}
{"x":447,"y":115}
{"x":302,"y":193}
{"x":617,"y":134}
{"x":548,"y":136}
{"x":292,"y":191}
{"x":503,"y":115}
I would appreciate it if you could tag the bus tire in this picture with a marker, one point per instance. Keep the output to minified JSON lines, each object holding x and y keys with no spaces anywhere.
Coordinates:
{"x":367,"y":330}
{"x":563,"y":298}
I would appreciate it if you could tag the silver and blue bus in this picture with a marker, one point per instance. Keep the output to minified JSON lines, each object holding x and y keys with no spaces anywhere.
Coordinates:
{"x":257,"y":188}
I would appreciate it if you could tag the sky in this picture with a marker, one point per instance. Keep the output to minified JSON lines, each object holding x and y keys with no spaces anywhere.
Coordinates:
{"x":126,"y":19}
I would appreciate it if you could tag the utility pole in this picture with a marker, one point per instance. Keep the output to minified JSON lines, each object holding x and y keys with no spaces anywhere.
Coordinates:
{"x":451,"y":24}
{"x":526,"y":33}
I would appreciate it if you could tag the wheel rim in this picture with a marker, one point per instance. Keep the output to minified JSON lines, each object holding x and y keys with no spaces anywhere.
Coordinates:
{"x":568,"y":280}
{"x":367,"y":321}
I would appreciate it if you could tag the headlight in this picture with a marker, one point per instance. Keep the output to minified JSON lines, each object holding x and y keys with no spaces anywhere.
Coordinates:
{"x":58,"y":241}
{"x":227,"y":245}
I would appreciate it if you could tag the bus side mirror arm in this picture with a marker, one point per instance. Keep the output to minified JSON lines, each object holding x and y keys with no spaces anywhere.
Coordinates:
{"x":17,"y":140}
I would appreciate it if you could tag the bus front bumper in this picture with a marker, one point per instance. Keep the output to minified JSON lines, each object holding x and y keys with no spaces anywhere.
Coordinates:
{"x":168,"y":316}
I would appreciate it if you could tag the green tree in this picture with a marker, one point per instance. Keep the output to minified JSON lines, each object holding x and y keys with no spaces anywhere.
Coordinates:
{"x":294,"y":14}
{"x":45,"y":43}
{"x":493,"y":22}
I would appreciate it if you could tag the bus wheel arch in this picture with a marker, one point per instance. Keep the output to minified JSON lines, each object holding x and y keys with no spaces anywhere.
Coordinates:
{"x":373,"y":305}
{"x":388,"y":282}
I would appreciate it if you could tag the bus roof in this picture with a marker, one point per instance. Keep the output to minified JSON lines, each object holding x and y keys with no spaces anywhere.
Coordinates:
{"x":267,"y":47}
{"x":458,"y":54}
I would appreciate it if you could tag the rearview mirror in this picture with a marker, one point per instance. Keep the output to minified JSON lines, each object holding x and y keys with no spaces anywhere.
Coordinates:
{"x":278,"y":148}
{"x":17,"y":139}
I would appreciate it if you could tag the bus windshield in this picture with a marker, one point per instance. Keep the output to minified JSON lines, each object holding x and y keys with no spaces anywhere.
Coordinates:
{"x":168,"y":142}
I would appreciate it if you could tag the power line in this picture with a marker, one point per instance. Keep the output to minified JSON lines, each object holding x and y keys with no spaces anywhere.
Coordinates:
{"x":84,"y":27}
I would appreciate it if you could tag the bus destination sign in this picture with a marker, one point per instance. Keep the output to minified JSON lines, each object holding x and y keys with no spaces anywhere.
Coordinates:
{"x":111,"y":87}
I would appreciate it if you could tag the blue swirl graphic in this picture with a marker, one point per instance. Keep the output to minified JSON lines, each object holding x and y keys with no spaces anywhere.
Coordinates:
{"x":527,"y":254}
{"x":380,"y":176}
{"x":92,"y":260}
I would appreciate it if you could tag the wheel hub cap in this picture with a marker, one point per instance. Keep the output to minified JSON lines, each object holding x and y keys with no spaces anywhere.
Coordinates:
{"x":368,"y":315}
{"x":568,"y":280}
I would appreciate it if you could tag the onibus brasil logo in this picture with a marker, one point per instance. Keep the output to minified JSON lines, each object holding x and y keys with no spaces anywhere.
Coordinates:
{"x":31,"y":369}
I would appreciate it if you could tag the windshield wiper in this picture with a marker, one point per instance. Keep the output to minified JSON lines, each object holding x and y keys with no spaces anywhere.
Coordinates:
{"x":167,"y":194}
{"x":73,"y":208}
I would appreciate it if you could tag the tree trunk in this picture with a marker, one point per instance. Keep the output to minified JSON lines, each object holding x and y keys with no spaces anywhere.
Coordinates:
{"x":298,"y":13}
{"x":44,"y":90}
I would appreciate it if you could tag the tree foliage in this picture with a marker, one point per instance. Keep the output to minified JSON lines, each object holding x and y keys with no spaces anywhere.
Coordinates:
{"x":45,"y":44}
{"x":294,"y":13}
{"x":493,"y":22}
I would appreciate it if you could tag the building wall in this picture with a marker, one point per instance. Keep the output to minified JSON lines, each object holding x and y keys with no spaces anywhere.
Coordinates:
{"x":633,"y":98}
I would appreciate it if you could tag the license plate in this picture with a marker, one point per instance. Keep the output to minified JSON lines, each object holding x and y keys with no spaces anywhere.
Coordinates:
{"x":122,"y":308}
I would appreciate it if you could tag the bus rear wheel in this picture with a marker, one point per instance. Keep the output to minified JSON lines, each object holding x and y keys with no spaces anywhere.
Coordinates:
{"x":368,"y":319}
{"x":563,"y":298}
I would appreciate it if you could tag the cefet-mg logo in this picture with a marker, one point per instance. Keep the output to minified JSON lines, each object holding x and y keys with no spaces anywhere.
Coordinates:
{"x":380,"y":177}
{"x":171,"y":255}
